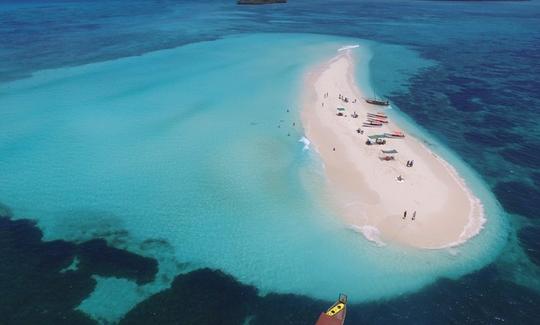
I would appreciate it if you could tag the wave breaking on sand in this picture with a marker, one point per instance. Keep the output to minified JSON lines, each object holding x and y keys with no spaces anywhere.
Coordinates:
{"x":306,"y":143}
{"x":371,"y":233}
{"x":348,"y":47}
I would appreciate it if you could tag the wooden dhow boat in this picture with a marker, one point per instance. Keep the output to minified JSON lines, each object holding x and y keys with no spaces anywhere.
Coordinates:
{"x":377,"y":101}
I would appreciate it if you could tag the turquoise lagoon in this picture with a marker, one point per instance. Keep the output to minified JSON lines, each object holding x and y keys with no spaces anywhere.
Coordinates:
{"x":189,"y":155}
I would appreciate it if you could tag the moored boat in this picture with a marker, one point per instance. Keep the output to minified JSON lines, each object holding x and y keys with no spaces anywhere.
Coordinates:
{"x":368,"y":123}
{"x":396,"y":134}
{"x":335,"y":315}
{"x":378,"y":114}
{"x":377,"y":101}
{"x":374,"y":119}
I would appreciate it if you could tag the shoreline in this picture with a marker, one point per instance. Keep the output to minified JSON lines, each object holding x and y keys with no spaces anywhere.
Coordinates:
{"x":375,"y":197}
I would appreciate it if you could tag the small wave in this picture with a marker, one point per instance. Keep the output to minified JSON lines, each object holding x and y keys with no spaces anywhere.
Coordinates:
{"x":306,"y":143}
{"x":371,"y":233}
{"x":348,"y":47}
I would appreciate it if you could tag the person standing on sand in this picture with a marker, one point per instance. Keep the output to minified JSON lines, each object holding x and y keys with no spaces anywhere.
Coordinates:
{"x":414,"y":215}
{"x":404,"y":214}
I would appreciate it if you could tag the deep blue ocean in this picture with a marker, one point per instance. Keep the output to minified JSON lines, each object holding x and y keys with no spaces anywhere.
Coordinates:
{"x":477,"y":92}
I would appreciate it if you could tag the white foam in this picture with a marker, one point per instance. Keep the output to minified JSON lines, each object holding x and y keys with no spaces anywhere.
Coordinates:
{"x":306,"y":143}
{"x":371,"y":233}
{"x":348,"y":47}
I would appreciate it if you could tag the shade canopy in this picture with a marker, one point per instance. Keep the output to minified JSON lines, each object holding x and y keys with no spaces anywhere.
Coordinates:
{"x":377,"y":136}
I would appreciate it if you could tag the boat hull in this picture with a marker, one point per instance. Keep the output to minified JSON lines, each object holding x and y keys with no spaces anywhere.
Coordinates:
{"x":377,"y":102}
{"x":327,"y":320}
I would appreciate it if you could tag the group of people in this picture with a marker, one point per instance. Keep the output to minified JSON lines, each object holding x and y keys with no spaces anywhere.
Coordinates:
{"x":343,"y":98}
{"x":405,"y":215}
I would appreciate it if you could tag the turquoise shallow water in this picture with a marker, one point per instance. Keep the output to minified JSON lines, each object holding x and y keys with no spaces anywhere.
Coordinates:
{"x":193,"y":146}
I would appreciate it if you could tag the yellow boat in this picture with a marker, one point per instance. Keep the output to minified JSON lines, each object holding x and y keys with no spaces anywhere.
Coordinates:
{"x":335,"y":315}
{"x":335,"y":309}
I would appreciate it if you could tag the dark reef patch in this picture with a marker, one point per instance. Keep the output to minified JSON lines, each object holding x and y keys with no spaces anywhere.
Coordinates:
{"x":479,"y":298}
{"x":200,"y":297}
{"x":482,"y":138}
{"x":206,"y":297}
{"x":518,"y":197}
{"x":35,"y":290}
{"x":289,"y":309}
{"x":33,"y":287}
{"x":444,"y":302}
{"x":526,"y":155}
{"x":464,"y":101}
{"x":529,"y":238}
{"x":536,"y":179}
{"x":499,"y":122}
{"x":96,"y":257}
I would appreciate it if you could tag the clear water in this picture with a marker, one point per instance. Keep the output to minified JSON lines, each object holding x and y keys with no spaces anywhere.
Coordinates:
{"x":183,"y":144}
{"x":190,"y":151}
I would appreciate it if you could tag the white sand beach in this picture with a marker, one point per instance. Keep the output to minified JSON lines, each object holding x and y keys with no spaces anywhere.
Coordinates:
{"x":365,"y":188}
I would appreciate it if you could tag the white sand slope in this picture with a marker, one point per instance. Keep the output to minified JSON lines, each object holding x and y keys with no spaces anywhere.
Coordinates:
{"x":366,"y":190}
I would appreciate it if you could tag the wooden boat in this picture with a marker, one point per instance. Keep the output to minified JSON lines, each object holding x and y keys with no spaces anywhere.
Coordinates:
{"x":374,"y":119}
{"x":396,"y":134}
{"x":377,"y":101}
{"x":379,"y":115}
{"x":367,"y":124}
{"x":373,"y":123}
{"x":335,"y":315}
